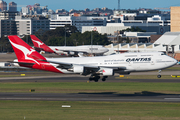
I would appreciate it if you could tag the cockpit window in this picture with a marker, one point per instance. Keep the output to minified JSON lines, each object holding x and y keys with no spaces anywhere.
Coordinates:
{"x":163,"y":54}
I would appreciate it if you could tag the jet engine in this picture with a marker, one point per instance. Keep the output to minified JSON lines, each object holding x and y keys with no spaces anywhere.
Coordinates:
{"x":78,"y":69}
{"x":15,"y":62}
{"x":107,"y":72}
{"x":71,"y":53}
{"x":42,"y":52}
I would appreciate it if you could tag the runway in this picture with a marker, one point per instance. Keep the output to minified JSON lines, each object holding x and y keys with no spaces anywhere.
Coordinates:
{"x":78,"y":78}
{"x":109,"y":97}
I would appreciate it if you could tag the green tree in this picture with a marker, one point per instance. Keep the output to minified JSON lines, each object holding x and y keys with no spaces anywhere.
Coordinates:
{"x":133,"y":29}
{"x":73,"y":37}
{"x":5,"y":45}
{"x":28,"y":40}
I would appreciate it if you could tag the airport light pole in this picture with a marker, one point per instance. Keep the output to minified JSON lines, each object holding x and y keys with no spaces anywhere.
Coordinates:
{"x":92,"y":29}
{"x":91,"y":40}
{"x":65,"y":35}
{"x":27,"y":39}
{"x":118,"y":40}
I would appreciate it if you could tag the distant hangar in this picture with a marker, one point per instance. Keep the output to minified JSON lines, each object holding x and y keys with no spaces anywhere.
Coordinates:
{"x":169,"y":42}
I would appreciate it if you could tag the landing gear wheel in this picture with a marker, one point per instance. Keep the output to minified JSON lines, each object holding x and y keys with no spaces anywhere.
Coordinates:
{"x":95,"y":80}
{"x":159,"y":76}
{"x":90,"y":79}
{"x":104,"y":79}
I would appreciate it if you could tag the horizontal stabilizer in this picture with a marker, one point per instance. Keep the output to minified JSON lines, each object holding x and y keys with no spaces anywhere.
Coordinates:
{"x":25,"y":63}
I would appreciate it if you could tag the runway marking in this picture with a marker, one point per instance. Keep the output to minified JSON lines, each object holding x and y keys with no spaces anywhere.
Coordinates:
{"x":66,"y":106}
{"x":172,"y":98}
{"x":86,"y":99}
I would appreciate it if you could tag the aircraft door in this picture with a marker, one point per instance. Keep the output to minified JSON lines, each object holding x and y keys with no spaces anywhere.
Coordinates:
{"x":152,"y":62}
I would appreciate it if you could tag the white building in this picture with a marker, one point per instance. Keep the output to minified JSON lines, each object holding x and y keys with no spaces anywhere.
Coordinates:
{"x":170,"y":40}
{"x":134,"y":47}
{"x":109,"y":29}
{"x":61,"y":21}
{"x":27,"y":26}
{"x":25,"y":10}
{"x":153,"y":24}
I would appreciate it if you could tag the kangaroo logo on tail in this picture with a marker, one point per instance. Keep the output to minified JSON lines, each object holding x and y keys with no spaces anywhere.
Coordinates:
{"x":39,"y":43}
{"x":27,"y":53}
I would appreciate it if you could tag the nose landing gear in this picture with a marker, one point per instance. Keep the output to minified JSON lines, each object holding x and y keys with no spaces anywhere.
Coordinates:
{"x":159,"y":76}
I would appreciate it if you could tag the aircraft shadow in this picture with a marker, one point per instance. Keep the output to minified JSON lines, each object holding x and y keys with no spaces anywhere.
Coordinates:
{"x":143,"y":93}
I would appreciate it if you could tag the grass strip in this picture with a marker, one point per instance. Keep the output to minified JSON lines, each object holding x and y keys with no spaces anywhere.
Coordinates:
{"x":91,"y":87}
{"x":52,"y":110}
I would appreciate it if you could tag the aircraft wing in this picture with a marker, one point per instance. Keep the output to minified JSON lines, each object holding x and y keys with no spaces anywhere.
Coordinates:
{"x":73,"y":51}
{"x":64,"y":65}
{"x":88,"y":68}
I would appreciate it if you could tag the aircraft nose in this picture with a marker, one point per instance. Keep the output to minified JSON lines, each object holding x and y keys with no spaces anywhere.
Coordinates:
{"x":174,"y":61}
{"x":106,"y":49}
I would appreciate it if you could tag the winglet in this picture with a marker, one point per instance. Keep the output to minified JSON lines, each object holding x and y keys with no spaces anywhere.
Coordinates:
{"x":39,"y":44}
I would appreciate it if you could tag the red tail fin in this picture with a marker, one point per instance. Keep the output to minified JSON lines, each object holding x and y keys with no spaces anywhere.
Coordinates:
{"x":39,"y":44}
{"x":23,"y":51}
{"x":28,"y":57}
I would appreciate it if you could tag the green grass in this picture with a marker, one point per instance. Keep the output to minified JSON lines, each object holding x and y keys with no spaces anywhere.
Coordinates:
{"x":52,"y":110}
{"x":146,"y":77}
{"x":173,"y":68}
{"x":27,"y":74}
{"x":92,"y":87}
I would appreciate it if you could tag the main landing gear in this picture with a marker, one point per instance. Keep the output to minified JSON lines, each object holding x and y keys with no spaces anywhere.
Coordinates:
{"x":159,"y":76}
{"x":96,"y":78}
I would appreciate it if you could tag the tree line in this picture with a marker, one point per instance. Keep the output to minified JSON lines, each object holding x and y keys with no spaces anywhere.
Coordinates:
{"x":68,"y":35}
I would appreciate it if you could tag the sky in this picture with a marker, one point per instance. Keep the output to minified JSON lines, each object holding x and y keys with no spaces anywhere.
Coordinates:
{"x":91,"y":4}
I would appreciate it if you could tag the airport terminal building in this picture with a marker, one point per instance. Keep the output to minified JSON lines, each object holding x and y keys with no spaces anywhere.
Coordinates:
{"x":168,"y":43}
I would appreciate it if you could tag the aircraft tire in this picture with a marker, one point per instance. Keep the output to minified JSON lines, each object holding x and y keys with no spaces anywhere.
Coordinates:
{"x":159,"y":76}
{"x":95,"y":80}
{"x":104,"y":79}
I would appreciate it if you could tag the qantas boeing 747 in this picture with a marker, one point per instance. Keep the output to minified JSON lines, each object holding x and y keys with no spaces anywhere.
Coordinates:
{"x":87,"y":49}
{"x":104,"y":66}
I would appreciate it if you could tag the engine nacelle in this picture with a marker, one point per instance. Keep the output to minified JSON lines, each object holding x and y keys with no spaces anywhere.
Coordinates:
{"x":78,"y":69}
{"x":107,"y":72}
{"x":15,"y":64}
{"x":42,"y":52}
{"x":71,"y":53}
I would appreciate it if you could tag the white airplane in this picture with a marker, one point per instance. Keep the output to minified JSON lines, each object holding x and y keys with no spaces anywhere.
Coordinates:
{"x":94,"y":66}
{"x":70,"y":50}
